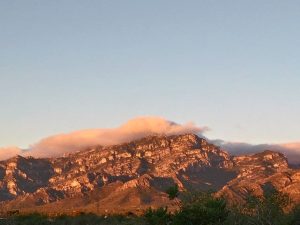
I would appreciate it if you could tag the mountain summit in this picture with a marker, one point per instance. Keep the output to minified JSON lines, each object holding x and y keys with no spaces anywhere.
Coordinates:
{"x":135,"y":175}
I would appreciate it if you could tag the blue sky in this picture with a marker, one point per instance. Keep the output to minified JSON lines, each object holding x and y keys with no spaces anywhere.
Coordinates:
{"x":230,"y":65}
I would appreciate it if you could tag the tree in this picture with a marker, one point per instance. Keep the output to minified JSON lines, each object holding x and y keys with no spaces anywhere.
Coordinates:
{"x":173,"y":192}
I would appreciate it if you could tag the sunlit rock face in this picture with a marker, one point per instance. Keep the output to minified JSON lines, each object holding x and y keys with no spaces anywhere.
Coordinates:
{"x":135,"y":175}
{"x":257,"y":171}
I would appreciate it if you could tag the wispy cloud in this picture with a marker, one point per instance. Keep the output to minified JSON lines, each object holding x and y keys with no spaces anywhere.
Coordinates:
{"x":290,"y":150}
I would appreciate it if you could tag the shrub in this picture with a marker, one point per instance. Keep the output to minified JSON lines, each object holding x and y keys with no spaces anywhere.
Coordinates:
{"x":158,"y":216}
{"x":295,"y":216}
{"x":201,"y":209}
{"x":173,"y":192}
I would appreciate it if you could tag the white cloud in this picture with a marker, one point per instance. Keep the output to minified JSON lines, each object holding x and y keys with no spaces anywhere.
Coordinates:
{"x":134,"y":129}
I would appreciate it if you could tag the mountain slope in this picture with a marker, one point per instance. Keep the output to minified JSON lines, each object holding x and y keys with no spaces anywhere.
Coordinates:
{"x":135,"y":175}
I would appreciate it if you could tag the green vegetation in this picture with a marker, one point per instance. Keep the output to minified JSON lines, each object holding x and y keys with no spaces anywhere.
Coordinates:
{"x":202,"y":209}
{"x":159,"y":216}
{"x":195,"y":209}
{"x":173,"y":192}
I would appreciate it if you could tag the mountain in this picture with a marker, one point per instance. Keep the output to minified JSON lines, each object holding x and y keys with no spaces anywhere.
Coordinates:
{"x":135,"y":175}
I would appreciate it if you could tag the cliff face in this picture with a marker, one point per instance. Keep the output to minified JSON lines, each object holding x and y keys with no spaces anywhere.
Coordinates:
{"x":135,"y":175}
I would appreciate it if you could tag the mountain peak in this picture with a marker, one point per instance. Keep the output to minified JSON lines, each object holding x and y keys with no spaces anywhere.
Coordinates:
{"x":144,"y":167}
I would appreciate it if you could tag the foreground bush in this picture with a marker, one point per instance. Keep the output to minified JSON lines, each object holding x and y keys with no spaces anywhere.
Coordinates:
{"x":158,"y":216}
{"x":201,"y":209}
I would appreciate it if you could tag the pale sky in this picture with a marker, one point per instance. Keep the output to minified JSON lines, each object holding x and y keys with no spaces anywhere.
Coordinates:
{"x":233,"y":66}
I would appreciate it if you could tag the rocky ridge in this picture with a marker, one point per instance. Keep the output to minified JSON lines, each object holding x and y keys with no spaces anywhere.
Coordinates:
{"x":135,"y":175}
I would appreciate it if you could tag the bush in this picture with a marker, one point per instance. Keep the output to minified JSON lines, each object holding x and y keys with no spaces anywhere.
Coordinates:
{"x":173,"y":192}
{"x":295,"y":216}
{"x":201,"y":209}
{"x":158,"y":216}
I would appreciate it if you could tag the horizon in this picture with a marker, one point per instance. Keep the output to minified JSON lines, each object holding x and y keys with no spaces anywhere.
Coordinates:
{"x":64,"y":143}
